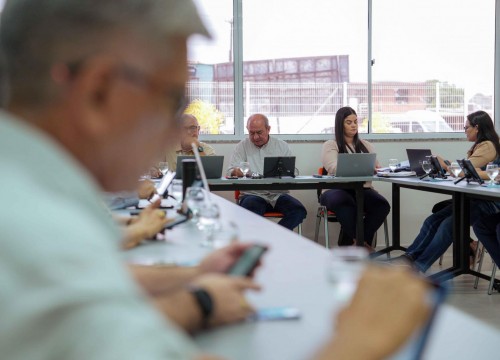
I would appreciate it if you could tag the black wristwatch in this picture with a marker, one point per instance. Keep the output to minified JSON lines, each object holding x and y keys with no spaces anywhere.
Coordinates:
{"x":205,"y":303}
{"x":200,"y":148}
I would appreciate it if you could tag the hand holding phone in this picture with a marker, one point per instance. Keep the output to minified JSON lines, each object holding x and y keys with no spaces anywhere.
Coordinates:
{"x":247,"y":261}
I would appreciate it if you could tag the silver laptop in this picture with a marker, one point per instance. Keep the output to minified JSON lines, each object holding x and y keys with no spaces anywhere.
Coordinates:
{"x":212,"y":164}
{"x":358,"y":164}
{"x":415,"y":157}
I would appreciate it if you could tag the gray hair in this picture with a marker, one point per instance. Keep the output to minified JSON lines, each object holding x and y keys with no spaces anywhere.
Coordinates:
{"x":257,"y":116}
{"x":36,"y":34}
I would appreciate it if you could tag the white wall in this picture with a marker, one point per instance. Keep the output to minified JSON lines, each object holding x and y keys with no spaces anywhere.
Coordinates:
{"x":415,"y":205}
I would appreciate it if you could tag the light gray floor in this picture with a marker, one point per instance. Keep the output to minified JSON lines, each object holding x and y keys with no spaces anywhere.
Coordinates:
{"x":475,"y":302}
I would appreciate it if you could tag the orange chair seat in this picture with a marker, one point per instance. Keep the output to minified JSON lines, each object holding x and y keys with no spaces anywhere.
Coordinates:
{"x":273,"y":214}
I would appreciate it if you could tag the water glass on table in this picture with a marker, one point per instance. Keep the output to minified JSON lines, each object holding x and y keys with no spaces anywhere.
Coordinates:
{"x":344,"y":268}
{"x":195,"y":200}
{"x":454,"y":169}
{"x":393,"y":164}
{"x":426,"y":166}
{"x":245,"y":168}
{"x":217,"y":233}
{"x":163,"y":167}
{"x":492,"y":172}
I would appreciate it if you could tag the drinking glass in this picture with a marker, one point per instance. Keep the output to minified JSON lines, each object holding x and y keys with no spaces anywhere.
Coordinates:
{"x":176,"y":192}
{"x":426,"y":166}
{"x":245,"y":168}
{"x":344,"y":268}
{"x":455,"y":169}
{"x":195,"y":200}
{"x":393,"y":164}
{"x":163,"y":166}
{"x":492,"y":172}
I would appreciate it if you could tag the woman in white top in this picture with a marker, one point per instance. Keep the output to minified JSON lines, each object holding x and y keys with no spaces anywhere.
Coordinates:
{"x":343,"y":202}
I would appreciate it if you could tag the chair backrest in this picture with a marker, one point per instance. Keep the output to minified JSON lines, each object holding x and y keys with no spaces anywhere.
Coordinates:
{"x":321,"y":171}
{"x":237,"y":196}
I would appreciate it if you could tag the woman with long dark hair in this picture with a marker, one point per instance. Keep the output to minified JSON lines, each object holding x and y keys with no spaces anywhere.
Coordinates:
{"x":343,"y":202}
{"x":436,"y":234}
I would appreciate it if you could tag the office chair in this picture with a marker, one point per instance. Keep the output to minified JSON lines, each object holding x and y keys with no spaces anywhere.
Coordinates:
{"x":480,"y":265}
{"x":330,"y":216}
{"x":269,"y":214}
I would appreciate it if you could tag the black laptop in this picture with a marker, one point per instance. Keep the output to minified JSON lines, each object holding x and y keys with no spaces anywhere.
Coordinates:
{"x":212,"y":164}
{"x":415,"y":157}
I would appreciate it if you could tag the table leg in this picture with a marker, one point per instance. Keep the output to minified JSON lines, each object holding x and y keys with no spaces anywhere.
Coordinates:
{"x":360,"y":228}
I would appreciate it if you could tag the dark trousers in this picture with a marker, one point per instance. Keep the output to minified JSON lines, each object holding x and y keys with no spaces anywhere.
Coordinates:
{"x":487,"y":230}
{"x":343,"y":203}
{"x":293,"y":210}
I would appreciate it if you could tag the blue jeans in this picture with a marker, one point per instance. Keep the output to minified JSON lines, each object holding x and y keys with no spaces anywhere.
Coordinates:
{"x":436,"y":234}
{"x":293,"y":210}
{"x":487,"y":230}
{"x":343,"y":203}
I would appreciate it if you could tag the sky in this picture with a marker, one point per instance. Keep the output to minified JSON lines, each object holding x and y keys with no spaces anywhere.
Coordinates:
{"x":413,"y":40}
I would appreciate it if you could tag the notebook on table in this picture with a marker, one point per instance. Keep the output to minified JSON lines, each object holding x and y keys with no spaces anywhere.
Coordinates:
{"x":357,"y":164}
{"x":415,"y":157}
{"x":212,"y":164}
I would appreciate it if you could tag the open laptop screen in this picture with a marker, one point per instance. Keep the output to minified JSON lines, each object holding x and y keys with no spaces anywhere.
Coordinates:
{"x":415,"y":157}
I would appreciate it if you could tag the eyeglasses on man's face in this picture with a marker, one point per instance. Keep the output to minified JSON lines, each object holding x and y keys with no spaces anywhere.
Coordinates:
{"x":192,"y":128}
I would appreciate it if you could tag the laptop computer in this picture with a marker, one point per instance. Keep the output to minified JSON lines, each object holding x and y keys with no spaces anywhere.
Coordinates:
{"x":212,"y":164}
{"x":357,"y":164}
{"x":415,"y":157}
{"x":279,"y":166}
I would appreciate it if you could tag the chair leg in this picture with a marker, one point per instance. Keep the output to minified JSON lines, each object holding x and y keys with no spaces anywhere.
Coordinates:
{"x":441,"y":260}
{"x":492,"y":281}
{"x":374,"y":242}
{"x":318,"y":223}
{"x":386,"y":233}
{"x":479,"y":265}
{"x":325,"y":221}
{"x":299,"y":229}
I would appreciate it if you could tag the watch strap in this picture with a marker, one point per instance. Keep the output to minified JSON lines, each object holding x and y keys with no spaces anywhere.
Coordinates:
{"x":205,"y":303}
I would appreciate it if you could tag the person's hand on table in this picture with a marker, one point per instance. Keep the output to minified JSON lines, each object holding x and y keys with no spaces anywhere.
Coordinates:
{"x":150,"y":222}
{"x":229,"y":303}
{"x":221,"y":260}
{"x":443,"y":164}
{"x":146,"y":189}
{"x":387,"y":307}
{"x":155,"y":173}
{"x":237,"y":172}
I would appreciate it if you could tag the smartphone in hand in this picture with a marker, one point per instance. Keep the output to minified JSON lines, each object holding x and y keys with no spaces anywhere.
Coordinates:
{"x":248,"y":261}
{"x":275,"y":313}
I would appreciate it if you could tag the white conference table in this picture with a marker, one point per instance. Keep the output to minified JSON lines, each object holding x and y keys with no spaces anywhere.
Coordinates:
{"x":294,"y":274}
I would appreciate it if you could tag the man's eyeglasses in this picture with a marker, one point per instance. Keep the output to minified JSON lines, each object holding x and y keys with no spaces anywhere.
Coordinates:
{"x":192,"y":128}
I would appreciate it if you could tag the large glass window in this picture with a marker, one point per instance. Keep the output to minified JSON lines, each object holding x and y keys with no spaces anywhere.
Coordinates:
{"x":434,"y":63}
{"x":211,"y":84}
{"x":303,"y":60}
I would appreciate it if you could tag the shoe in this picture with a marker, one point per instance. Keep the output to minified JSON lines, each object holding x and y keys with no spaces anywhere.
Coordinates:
{"x":403,"y":260}
{"x":370,"y":248}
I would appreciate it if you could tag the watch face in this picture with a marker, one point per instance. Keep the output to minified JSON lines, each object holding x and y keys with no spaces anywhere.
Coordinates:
{"x":200,"y":148}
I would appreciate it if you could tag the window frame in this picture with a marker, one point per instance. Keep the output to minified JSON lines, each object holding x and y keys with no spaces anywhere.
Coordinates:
{"x":239,"y":121}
